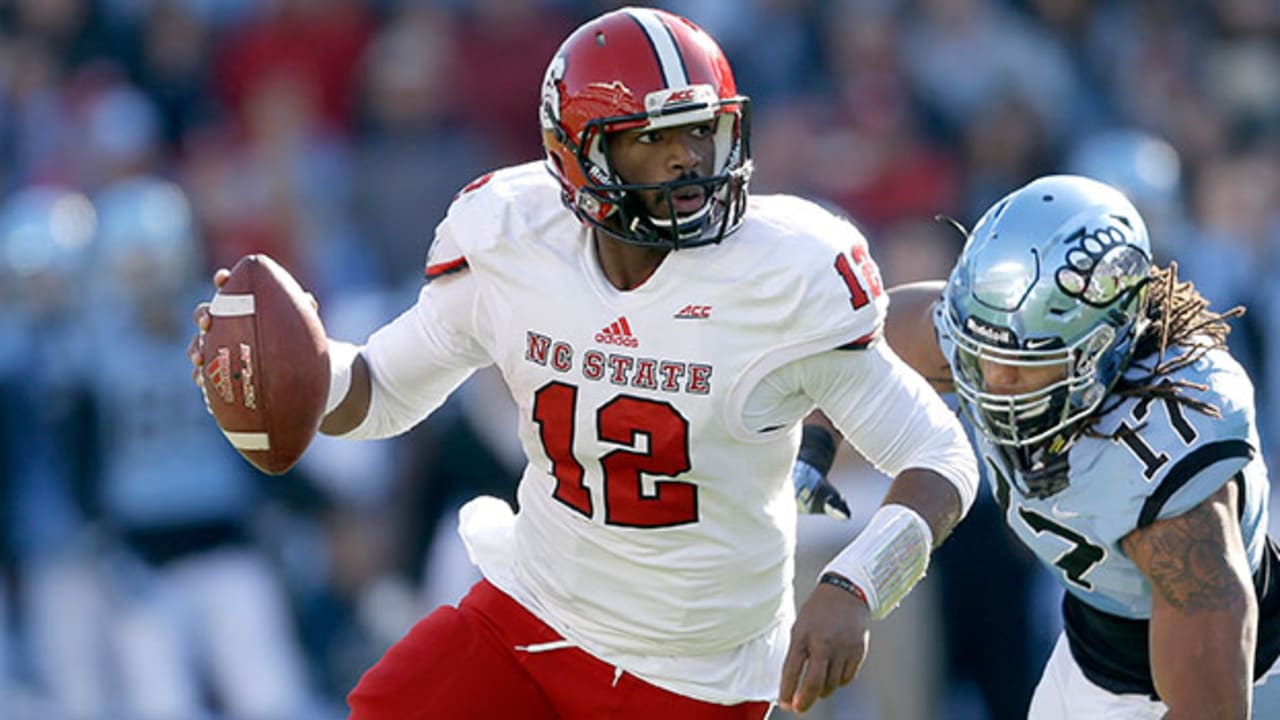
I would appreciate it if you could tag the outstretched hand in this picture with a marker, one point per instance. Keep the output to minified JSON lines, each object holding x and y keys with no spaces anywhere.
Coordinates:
{"x":828,"y":644}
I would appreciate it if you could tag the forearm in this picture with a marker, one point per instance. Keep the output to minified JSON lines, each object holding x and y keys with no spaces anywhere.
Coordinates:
{"x":931,"y":496}
{"x":1204,"y":612}
{"x":352,"y":407}
{"x":1204,"y":667}
{"x":892,"y":553}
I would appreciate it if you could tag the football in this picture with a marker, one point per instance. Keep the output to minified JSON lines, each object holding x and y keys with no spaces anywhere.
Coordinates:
{"x":266,"y":364}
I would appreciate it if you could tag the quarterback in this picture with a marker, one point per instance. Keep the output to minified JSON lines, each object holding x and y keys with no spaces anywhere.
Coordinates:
{"x":663,"y":335}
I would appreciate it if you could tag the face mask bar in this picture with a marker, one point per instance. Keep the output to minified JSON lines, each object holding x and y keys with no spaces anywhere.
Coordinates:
{"x":1026,"y":419}
{"x":724,"y":192}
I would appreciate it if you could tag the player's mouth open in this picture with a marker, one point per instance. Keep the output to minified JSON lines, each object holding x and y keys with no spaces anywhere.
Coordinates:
{"x":688,"y":200}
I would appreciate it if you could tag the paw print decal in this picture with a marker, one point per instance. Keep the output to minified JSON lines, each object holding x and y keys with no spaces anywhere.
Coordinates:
{"x":1104,"y":267}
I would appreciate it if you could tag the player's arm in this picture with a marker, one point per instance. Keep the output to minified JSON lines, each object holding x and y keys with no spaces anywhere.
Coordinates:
{"x":897,"y":421}
{"x":910,"y":331}
{"x":1203,"y":610}
{"x":892,"y":416}
{"x":409,"y":366}
{"x":350,"y":389}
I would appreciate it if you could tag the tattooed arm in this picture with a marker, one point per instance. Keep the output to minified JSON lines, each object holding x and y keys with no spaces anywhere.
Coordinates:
{"x":1203,"y":611}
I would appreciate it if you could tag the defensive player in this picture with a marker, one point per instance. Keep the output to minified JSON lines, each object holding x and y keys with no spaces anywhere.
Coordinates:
{"x":663,"y":336}
{"x":1118,"y":436}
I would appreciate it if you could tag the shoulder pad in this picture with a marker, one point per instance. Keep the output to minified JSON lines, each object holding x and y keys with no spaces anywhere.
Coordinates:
{"x":485,"y":212}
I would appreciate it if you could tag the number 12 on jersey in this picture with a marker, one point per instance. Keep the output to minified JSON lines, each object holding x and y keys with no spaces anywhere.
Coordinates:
{"x":621,"y":422}
{"x":864,"y":282}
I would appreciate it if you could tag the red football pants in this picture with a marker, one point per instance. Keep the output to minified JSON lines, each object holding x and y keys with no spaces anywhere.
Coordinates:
{"x":461,"y":664}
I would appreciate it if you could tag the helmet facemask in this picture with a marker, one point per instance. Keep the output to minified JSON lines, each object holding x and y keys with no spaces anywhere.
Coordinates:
{"x":616,"y":207}
{"x":1028,"y":419}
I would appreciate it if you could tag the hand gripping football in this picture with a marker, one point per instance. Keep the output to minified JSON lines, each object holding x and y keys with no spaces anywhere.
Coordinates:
{"x":266,"y":364}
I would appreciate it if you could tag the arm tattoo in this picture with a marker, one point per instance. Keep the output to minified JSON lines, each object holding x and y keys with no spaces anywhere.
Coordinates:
{"x":1187,"y":564}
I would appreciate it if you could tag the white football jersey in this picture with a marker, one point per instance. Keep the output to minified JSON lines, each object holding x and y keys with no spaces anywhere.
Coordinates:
{"x":653,"y":521}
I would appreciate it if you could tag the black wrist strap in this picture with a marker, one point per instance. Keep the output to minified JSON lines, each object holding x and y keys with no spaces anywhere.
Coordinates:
{"x":845,"y":584}
{"x":817,"y":447}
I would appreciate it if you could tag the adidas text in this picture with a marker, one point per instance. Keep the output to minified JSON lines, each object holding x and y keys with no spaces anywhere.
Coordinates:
{"x":611,"y":339}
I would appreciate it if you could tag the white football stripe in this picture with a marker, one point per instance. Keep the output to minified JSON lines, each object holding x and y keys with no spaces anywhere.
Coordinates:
{"x":248,"y":440}
{"x":231,"y":305}
{"x":665,"y":45}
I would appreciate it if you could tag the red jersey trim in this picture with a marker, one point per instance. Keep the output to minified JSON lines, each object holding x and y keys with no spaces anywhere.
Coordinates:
{"x":861,"y":343}
{"x":445,"y":268}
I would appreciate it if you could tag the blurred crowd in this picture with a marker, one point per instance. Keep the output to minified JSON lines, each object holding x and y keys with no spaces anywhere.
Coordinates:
{"x":146,"y":572}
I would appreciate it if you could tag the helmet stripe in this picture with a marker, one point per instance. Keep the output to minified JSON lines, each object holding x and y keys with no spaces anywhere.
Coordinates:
{"x":664,"y":47}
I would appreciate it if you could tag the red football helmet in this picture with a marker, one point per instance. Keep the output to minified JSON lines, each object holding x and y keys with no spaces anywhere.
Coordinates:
{"x":644,"y":68}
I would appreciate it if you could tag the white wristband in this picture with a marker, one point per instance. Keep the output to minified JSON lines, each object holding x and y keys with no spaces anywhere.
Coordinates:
{"x":341,"y":357}
{"x":887,"y":558}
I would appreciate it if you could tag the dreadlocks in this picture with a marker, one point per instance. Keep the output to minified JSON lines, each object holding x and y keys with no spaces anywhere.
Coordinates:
{"x":1179,"y":318}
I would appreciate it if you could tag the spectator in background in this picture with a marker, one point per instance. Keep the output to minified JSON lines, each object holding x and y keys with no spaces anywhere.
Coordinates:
{"x":872,"y":158}
{"x":121,"y":132}
{"x":309,"y":47}
{"x":500,"y":49}
{"x":171,"y":56}
{"x":1004,"y":143}
{"x":195,"y":603}
{"x":45,"y":250}
{"x":1235,"y":201}
{"x":965,"y":55}
{"x":415,"y":147}
{"x":792,"y":69}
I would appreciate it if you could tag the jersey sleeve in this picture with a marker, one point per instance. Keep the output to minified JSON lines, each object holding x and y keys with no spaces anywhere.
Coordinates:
{"x":823,"y":292}
{"x":422,"y":356}
{"x":469,"y":225}
{"x":885,"y":409}
{"x":444,"y":256}
{"x":1174,"y":456}
{"x":1205,"y":452}
{"x":843,"y":293}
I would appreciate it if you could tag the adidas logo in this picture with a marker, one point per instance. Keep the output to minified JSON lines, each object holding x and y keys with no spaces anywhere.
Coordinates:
{"x":618,"y":333}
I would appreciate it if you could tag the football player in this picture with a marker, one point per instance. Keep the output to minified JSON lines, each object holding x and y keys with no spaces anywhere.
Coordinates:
{"x":1117,"y":433}
{"x":663,"y":336}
